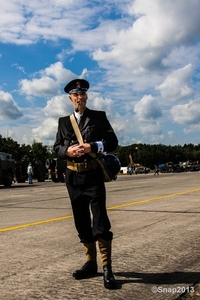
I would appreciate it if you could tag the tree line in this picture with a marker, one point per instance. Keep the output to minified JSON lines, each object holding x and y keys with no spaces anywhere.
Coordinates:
{"x":145,"y":154}
{"x":151,"y":155}
{"x":37,"y":152}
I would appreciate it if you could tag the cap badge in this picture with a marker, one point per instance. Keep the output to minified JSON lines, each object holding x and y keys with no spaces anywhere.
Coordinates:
{"x":78,"y":85}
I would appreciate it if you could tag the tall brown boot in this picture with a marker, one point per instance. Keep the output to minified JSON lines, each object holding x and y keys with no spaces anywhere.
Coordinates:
{"x":89,"y":269}
{"x":105,"y":251}
{"x":90,"y":251}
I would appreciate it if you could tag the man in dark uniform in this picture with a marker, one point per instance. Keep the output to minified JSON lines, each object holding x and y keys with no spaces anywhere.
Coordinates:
{"x":84,"y":179}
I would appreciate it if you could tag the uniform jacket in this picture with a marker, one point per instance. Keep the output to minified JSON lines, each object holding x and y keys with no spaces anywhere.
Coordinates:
{"x":94,"y":126}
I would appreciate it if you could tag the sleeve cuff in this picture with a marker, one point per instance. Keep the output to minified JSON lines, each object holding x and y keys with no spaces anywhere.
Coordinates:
{"x":100,"y":147}
{"x":97,"y":147}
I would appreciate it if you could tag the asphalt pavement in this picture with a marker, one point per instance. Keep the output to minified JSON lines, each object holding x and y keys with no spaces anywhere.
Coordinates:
{"x":156,"y":226}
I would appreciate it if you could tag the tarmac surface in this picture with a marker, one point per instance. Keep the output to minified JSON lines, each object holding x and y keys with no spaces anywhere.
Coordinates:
{"x":156,"y":226}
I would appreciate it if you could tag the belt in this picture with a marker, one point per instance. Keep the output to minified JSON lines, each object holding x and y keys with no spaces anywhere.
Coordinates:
{"x":83,"y":166}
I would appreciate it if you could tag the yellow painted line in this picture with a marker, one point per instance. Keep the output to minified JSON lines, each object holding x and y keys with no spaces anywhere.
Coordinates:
{"x":153,"y":199}
{"x":109,"y":208}
{"x":35,"y":223}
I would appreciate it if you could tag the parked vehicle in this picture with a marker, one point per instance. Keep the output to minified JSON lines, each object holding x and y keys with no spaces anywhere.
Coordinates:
{"x":39,"y":172}
{"x":7,"y":169}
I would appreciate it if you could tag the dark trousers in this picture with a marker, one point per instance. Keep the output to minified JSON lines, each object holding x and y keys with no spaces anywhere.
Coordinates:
{"x":95,"y":224}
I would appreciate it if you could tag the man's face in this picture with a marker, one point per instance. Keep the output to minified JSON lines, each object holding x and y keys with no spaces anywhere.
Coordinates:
{"x":78,"y":99}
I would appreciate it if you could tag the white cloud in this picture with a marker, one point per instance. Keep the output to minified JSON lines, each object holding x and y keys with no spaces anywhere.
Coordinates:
{"x":150,"y":128}
{"x":182,"y":56}
{"x":177,"y":85}
{"x":96,"y":101}
{"x":19,"y":68}
{"x":48,"y":82}
{"x":44,"y":86}
{"x":151,"y":131}
{"x":57,"y":72}
{"x":187,"y":113}
{"x":147,"y":108}
{"x":46,"y":131}
{"x":58,"y":106}
{"x":8,"y":107}
{"x":170,"y":14}
{"x":159,"y":28}
{"x":27,"y":22}
{"x":193,"y":128}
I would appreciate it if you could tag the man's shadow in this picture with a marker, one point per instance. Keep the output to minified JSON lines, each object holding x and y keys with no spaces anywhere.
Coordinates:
{"x":188,"y":278}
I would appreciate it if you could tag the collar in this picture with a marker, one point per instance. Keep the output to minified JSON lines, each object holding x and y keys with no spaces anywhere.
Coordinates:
{"x":77,"y":115}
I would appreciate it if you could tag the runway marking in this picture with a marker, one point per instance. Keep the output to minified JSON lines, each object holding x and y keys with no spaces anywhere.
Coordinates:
{"x":109,"y":208}
{"x":152,"y":199}
{"x":35,"y":223}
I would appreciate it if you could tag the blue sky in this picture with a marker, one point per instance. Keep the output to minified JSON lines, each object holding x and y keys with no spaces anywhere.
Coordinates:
{"x":142,"y":59}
